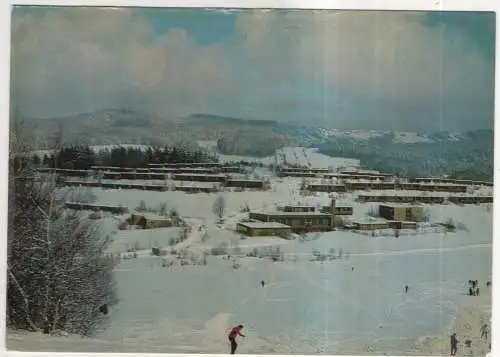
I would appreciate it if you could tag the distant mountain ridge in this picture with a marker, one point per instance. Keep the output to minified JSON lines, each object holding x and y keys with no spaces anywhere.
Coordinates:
{"x":115,"y":126}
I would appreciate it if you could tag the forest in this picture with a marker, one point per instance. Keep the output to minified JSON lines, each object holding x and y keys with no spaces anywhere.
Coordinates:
{"x":471,"y":157}
{"x":81,"y":157}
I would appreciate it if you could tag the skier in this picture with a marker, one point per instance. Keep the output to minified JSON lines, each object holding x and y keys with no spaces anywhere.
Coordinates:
{"x":235,"y":331}
{"x":262,"y":282}
{"x":484,"y":331}
{"x":406,"y":289}
{"x":453,"y":343}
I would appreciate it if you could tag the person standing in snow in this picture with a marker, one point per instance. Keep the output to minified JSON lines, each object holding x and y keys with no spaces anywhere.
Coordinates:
{"x":484,"y":332}
{"x":406,"y":289}
{"x":262,"y":282}
{"x":453,"y":343}
{"x":235,"y":332}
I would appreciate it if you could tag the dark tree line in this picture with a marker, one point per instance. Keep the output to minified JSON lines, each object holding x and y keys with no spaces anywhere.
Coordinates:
{"x":249,"y":143}
{"x":83,"y":157}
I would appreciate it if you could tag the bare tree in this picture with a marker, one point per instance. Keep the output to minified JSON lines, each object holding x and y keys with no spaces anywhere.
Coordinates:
{"x":162,"y":210}
{"x":58,"y":275}
{"x":219,"y":207}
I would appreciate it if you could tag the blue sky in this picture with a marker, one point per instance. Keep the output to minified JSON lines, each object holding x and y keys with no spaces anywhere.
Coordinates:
{"x":342,"y":69}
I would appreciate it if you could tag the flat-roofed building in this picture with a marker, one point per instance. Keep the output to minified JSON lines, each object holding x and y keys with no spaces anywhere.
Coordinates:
{"x":298,"y":221}
{"x":314,"y":170}
{"x":231,"y":169}
{"x":191,"y":170}
{"x":354,"y":185}
{"x":253,"y":229}
{"x":244,"y":183}
{"x":116,"y":209}
{"x":444,"y":188}
{"x":326,"y":187}
{"x":296,"y":174}
{"x":132,"y":175}
{"x":133,"y":186}
{"x":394,"y":212}
{"x":470,"y":199}
{"x":339,"y":210}
{"x":186,"y":164}
{"x":196,"y":188}
{"x":66,"y":172}
{"x":113,"y":168}
{"x":298,"y":208}
{"x":401,"y":199}
{"x":82,"y":183}
{"x":433,"y":187}
{"x":360,"y":174}
{"x":368,"y":225}
{"x":150,"y":221}
{"x":200,"y":177}
{"x":440,"y":180}
{"x":402,"y":225}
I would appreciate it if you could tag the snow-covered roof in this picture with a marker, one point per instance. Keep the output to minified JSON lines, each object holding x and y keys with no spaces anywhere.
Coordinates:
{"x":280,"y":213}
{"x":369,"y":220}
{"x":152,"y":216}
{"x":199,"y":175}
{"x":395,"y":205}
{"x":269,"y":225}
{"x":297,"y":205}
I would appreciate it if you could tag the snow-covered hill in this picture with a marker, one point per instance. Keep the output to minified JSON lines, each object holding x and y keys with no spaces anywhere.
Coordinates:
{"x":405,"y":137}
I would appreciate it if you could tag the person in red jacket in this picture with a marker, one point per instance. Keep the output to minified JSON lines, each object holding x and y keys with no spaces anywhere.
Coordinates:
{"x":235,"y":331}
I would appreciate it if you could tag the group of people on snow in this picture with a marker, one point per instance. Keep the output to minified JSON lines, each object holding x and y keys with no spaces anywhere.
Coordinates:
{"x":474,"y":287}
{"x":484,"y":330}
{"x":473,"y":291}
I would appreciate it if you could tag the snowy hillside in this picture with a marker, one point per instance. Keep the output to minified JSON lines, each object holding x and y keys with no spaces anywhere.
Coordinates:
{"x":405,"y":137}
{"x":354,"y":304}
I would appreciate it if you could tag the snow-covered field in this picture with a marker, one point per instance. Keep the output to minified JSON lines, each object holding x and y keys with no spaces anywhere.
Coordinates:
{"x":296,"y":156}
{"x":352,"y":305}
{"x":140,"y":239}
{"x":305,"y":307}
{"x":310,"y":157}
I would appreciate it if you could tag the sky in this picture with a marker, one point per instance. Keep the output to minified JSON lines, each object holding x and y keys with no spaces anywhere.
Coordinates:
{"x":415,"y":71}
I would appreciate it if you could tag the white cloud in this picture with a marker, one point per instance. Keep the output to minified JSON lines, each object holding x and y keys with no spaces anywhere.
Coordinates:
{"x":98,"y":57}
{"x":356,"y":69}
{"x":391,"y":53}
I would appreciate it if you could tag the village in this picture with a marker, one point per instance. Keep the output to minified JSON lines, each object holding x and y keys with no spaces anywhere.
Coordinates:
{"x":400,"y":202}
{"x":254,"y":232}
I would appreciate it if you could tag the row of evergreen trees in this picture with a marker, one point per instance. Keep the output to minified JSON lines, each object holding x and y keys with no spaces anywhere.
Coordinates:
{"x":83,"y":157}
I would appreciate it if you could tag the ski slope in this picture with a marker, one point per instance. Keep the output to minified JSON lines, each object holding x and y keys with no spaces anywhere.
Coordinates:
{"x":305,"y":307}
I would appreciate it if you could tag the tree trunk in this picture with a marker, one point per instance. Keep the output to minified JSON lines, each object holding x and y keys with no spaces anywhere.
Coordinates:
{"x":26,"y":302}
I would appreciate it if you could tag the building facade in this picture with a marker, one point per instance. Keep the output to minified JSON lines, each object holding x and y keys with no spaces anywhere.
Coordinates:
{"x":300,"y":222}
{"x":253,"y":229}
{"x":401,"y":213}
